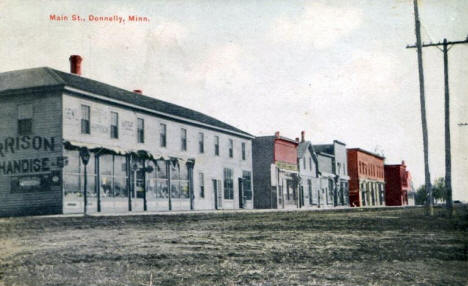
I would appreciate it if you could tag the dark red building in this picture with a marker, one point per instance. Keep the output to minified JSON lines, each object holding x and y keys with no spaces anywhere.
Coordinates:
{"x":397,"y":184}
{"x":366,"y":172}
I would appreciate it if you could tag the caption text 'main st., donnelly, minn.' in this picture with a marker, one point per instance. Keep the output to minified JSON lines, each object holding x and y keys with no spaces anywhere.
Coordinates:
{"x":97,"y":18}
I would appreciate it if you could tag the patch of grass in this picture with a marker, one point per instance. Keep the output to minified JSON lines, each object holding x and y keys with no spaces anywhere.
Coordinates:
{"x":368,"y":247}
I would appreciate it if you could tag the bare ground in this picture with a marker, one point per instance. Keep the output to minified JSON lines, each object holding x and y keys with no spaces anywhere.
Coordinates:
{"x":370,"y":247}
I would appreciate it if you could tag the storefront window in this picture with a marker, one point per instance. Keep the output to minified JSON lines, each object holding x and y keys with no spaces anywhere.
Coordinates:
{"x":162,"y":191}
{"x":179,"y":181}
{"x":73,"y":184}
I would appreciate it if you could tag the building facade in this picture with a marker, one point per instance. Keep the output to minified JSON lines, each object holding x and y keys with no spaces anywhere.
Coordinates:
{"x":71,"y":144}
{"x":276,"y":179}
{"x":367,"y":183}
{"x":340,"y":170}
{"x":398,"y":185}
{"x":307,"y":163}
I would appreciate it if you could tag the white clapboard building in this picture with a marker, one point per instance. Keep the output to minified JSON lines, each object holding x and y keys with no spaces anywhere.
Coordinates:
{"x":143,"y":154}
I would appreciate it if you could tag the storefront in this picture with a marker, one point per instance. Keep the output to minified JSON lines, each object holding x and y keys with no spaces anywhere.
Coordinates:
{"x":118,"y":181}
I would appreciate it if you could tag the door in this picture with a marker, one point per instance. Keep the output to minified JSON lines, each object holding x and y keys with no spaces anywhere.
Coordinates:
{"x":241,"y":194}
{"x":217,"y":194}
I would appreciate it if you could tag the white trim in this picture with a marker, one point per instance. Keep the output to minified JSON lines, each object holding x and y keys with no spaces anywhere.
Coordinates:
{"x":104,"y":98}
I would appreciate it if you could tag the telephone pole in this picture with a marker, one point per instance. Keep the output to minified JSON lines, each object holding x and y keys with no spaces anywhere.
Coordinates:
{"x":427,"y":175}
{"x":446,"y":46}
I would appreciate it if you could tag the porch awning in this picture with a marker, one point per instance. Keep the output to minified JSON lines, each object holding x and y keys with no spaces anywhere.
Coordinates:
{"x":100,"y":149}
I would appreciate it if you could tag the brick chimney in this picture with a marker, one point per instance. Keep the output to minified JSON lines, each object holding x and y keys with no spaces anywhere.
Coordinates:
{"x":138,"y":91}
{"x":297,"y":139}
{"x":302,"y":136}
{"x":277,"y":134}
{"x":75,"y":64}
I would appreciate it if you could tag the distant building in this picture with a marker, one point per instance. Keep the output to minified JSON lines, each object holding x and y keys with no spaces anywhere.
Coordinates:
{"x":411,"y":191}
{"x":327,"y":179}
{"x":276,"y":178}
{"x":398,"y":185}
{"x":366,"y":185}
{"x":340,"y":170}
{"x":307,"y":163}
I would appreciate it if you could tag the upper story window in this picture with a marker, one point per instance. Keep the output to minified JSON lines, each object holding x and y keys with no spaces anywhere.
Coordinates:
{"x":25,"y":116}
{"x":216,"y":145}
{"x":114,"y":125}
{"x":183,"y":139}
{"x":201,"y":142}
{"x":243,"y":150}
{"x":162,"y":135}
{"x":85,"y":119}
{"x":339,"y":168}
{"x":304,"y":162}
{"x":310,"y":163}
{"x":141,"y":130}
{"x":231,"y":148}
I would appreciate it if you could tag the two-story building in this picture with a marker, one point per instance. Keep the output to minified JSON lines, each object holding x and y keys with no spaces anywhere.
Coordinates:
{"x":307,"y":163}
{"x":69,"y":143}
{"x":398,"y":185}
{"x":276,"y":179}
{"x":339,"y":163}
{"x":366,"y":171}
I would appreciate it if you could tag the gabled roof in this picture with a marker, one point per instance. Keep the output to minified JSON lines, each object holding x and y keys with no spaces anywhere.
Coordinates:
{"x":48,"y":77}
{"x":303,"y":147}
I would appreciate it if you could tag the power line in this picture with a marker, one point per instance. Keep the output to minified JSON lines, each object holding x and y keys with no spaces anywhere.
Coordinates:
{"x":446,"y":46}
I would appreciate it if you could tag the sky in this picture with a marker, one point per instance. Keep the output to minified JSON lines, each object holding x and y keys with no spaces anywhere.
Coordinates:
{"x":335,"y":69}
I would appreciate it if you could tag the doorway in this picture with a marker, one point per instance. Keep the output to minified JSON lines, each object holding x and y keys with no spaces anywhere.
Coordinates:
{"x":241,"y":194}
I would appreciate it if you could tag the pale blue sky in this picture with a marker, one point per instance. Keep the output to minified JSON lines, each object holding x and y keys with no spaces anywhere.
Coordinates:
{"x":336,"y":69}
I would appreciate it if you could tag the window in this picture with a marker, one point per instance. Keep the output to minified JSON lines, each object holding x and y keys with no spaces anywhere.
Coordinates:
{"x":183,"y":139}
{"x":310,"y":163}
{"x":247,"y":184}
{"x":25,"y":115}
{"x":202,"y":185}
{"x":216,"y":146}
{"x":114,"y":125}
{"x":228,"y":184}
{"x":179,"y":181}
{"x":162,"y":135}
{"x":201,"y":142}
{"x":304,"y":162}
{"x":243,"y":151}
{"x":339,"y":168}
{"x":141,"y":130}
{"x":85,"y":119}
{"x":231,"y":148}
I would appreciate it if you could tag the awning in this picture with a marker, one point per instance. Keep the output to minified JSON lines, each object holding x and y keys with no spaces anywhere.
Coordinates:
{"x":325,"y":174}
{"x":100,"y":149}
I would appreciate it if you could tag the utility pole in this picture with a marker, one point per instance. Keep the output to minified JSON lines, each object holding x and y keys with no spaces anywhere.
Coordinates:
{"x":446,"y":46}
{"x":427,"y":175}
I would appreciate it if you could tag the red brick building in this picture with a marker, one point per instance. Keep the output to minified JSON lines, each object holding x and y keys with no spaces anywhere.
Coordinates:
{"x":276,"y":177}
{"x":397,"y":184}
{"x":366,"y":185}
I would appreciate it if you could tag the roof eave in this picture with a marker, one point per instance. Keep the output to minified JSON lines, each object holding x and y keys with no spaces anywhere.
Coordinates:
{"x":194,"y":122}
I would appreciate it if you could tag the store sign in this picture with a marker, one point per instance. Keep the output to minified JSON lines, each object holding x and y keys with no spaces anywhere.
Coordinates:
{"x":12,"y":145}
{"x":41,"y":172}
{"x":35,"y":183}
{"x":27,"y":166}
{"x":286,"y":166}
